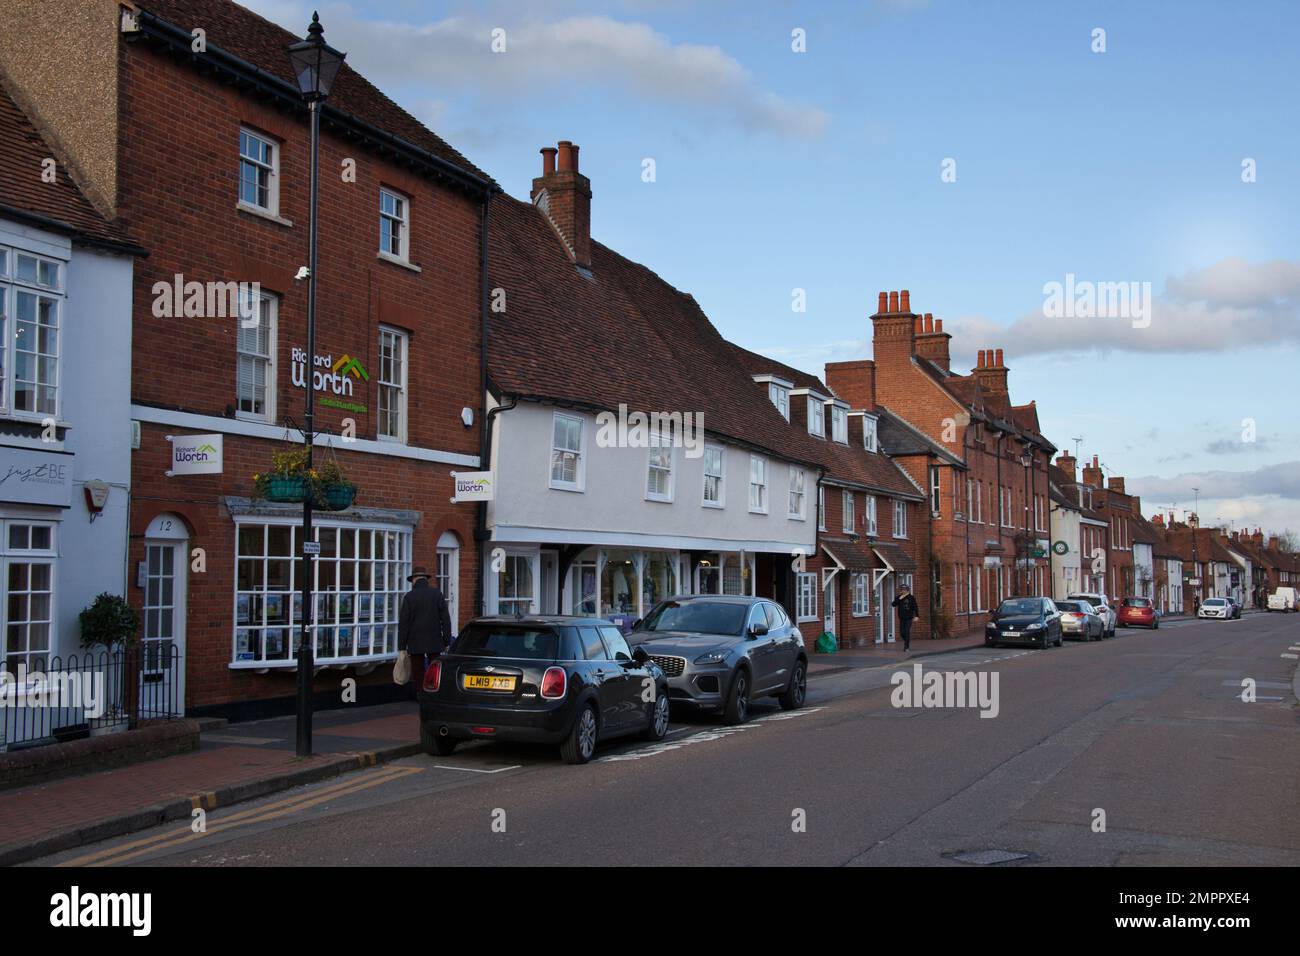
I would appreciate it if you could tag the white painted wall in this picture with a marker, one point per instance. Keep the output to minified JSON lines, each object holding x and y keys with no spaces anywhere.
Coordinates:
{"x":1065,"y":527}
{"x":612,"y":508}
{"x":95,"y":378}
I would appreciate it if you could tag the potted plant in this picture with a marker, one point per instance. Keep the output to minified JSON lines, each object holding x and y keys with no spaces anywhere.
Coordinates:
{"x":109,"y":621}
{"x":288,"y":479}
{"x":335,"y":489}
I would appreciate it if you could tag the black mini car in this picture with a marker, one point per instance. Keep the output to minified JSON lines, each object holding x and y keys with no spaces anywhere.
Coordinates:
{"x":571,"y":681}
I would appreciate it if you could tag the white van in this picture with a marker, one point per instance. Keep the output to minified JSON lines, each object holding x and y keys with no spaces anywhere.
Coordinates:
{"x":1283,"y":599}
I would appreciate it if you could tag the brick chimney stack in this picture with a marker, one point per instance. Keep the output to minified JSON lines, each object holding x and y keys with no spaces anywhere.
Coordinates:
{"x":1092,"y":474}
{"x":855,"y":382}
{"x":893,"y":338}
{"x":1158,"y":520}
{"x":1067,"y":464}
{"x":932,"y":342}
{"x":1115,"y":484}
{"x":991,"y":373}
{"x":564,"y":195}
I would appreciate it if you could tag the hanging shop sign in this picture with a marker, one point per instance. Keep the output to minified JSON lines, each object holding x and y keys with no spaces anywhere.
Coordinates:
{"x":472,"y":486}
{"x":195,"y":455}
{"x":35,"y":476}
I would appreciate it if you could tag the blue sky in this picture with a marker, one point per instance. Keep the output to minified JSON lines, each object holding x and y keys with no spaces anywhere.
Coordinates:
{"x":777,"y":170}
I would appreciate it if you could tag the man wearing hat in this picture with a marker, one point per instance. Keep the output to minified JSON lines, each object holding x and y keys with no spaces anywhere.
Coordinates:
{"x":906,"y":605}
{"x":424,"y":625}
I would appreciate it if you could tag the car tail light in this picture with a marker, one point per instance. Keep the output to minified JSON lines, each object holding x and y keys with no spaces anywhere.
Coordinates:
{"x":433,"y":677}
{"x":554,"y":683}
{"x":1073,"y":617}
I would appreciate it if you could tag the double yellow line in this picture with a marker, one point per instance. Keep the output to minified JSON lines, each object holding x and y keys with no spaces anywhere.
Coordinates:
{"x":271,"y":811}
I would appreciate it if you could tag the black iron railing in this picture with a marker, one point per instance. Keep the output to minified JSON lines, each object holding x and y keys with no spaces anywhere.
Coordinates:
{"x":100,"y":690}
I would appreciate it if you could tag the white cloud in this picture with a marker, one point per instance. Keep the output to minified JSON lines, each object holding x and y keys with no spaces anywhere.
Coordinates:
{"x":1281,"y":480}
{"x":1230,"y":305}
{"x":572,"y":53}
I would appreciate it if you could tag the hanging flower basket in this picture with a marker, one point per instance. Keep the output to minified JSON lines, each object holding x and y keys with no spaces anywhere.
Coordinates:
{"x":286,"y":488}
{"x":340,"y":496}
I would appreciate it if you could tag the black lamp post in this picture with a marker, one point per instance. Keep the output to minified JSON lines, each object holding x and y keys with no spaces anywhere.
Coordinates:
{"x":315,"y":65}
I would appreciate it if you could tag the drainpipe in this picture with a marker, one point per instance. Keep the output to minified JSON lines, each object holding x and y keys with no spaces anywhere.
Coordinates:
{"x":485,"y":417}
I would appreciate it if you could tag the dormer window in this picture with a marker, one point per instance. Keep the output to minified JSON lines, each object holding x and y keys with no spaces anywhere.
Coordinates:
{"x":816,"y":417}
{"x":840,"y":424}
{"x":780,"y":396}
{"x":868,"y":433}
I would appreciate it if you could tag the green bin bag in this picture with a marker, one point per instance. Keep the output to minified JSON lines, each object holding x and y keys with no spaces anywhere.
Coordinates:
{"x":826,"y":644}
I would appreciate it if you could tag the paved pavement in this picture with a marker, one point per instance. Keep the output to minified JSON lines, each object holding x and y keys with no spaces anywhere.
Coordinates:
{"x":1147,"y":734}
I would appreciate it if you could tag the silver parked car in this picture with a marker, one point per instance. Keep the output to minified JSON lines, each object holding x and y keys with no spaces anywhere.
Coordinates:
{"x":721,"y":652}
{"x":1080,"y":621}
{"x":1101,"y":604}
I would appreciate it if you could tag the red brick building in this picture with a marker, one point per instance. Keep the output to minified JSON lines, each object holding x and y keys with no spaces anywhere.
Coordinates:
{"x":982,"y":463}
{"x":209,"y":170}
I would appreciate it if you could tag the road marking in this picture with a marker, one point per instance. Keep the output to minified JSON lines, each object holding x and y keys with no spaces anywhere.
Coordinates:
{"x":447,"y":766}
{"x":270,"y":811}
{"x":1290,"y":657}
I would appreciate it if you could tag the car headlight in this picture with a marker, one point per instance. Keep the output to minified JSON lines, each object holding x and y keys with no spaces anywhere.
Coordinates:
{"x":1034,"y":627}
{"x":712,"y":657}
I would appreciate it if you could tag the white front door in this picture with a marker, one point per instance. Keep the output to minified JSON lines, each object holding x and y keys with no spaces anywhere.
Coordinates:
{"x":162,"y":662}
{"x":888,"y":608}
{"x":828,"y":598}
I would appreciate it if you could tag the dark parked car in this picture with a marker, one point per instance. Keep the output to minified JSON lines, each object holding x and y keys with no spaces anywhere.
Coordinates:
{"x":1138,"y":612}
{"x":572,"y":681}
{"x":1031,"y":621}
{"x":722,"y":652}
{"x":1080,"y":621}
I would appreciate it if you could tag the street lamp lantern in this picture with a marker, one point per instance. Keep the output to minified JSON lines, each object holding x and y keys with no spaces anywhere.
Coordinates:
{"x":316,"y":64}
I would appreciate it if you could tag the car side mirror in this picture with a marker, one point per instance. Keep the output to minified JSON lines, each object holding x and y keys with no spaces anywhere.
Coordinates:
{"x":758,"y":630}
{"x":637,"y":623}
{"x":639,"y":655}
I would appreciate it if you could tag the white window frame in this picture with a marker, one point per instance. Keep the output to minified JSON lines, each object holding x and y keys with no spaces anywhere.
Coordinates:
{"x":579,"y":482}
{"x":761,"y":486}
{"x":900,"y":518}
{"x":270,"y":359}
{"x":659,"y":460}
{"x":848,"y":519}
{"x":533,"y":560}
{"x":721,"y":476}
{"x":397,"y":564}
{"x":806,"y":596}
{"x":272,"y":169}
{"x":816,"y":416}
{"x":839,"y":424}
{"x":15,"y":555}
{"x":821,"y":507}
{"x":401,"y":352}
{"x":798,"y":489}
{"x":861,"y":591}
{"x":871,"y":516}
{"x":402,"y":203}
{"x":11,"y":287}
{"x":779,"y":395}
{"x":870,"y":426}
{"x":936,"y":497}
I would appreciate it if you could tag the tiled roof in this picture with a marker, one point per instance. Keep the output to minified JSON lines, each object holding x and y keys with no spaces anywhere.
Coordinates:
{"x":854,"y":555}
{"x":847,"y":463}
{"x":59,"y":204}
{"x":619,"y":335}
{"x":894,"y":556}
{"x":243,"y":34}
{"x":899,"y":437}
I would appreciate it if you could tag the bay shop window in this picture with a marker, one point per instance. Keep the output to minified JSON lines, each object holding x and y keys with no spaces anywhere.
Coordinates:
{"x":618,"y":583}
{"x":360,"y":577}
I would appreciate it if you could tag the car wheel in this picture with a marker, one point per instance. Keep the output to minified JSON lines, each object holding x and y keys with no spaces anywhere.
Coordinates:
{"x":793,"y":697}
{"x":736,"y":710}
{"x":658,"y":728}
{"x":433,"y":744}
{"x":581,"y":742}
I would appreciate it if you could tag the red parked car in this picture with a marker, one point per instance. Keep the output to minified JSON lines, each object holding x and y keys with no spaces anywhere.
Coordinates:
{"x":1138,"y":612}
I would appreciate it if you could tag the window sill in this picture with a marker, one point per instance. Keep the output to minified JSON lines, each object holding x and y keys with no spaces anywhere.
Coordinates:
{"x":659,"y":499}
{"x":572,"y":488}
{"x":712,"y":504}
{"x":790,"y":517}
{"x":261,"y":213}
{"x":397,"y":261}
{"x":758,"y":511}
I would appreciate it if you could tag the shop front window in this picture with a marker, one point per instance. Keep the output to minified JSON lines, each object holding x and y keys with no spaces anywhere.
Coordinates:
{"x":27,"y":556}
{"x":516,"y":588}
{"x":660,"y":579}
{"x":585,"y":595}
{"x":620,"y":592}
{"x":360,"y":576}
{"x":710,"y":578}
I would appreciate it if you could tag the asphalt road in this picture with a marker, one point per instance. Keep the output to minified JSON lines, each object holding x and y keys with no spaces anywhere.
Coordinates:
{"x":1148,"y":729}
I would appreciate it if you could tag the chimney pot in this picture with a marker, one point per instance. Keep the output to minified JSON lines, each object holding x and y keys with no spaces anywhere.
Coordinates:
{"x":893,"y":302}
{"x":566,"y":157}
{"x":883,"y":306}
{"x":929,"y":322}
{"x":919,"y":325}
{"x":548,"y":160}
{"x":904,"y":301}
{"x":938,"y":325}
{"x":999,"y":358}
{"x":979,"y":359}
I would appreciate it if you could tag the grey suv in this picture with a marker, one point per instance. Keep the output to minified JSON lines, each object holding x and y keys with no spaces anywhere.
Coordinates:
{"x":721,"y":652}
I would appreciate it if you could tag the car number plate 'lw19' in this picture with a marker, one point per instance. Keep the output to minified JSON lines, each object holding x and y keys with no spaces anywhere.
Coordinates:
{"x":485,"y":682}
